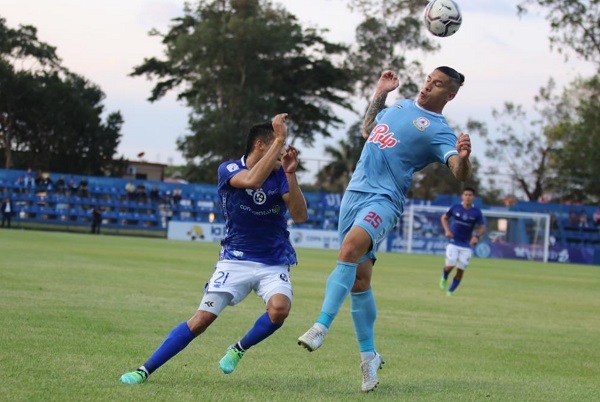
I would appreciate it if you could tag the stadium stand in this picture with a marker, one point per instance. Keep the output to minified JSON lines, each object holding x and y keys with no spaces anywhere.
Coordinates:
{"x":42,"y":203}
{"x":568,"y":227}
{"x":200,"y":203}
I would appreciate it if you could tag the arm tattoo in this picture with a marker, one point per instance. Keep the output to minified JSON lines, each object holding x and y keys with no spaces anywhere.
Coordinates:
{"x":376,"y":106}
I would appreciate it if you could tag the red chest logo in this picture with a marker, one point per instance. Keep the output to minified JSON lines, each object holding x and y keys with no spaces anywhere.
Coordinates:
{"x":382,"y":137}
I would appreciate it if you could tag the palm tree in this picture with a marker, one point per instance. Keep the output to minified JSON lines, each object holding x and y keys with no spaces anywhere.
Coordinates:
{"x":334,"y":176}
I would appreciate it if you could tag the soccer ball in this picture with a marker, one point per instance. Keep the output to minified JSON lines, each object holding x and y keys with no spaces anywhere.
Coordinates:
{"x":442,"y":17}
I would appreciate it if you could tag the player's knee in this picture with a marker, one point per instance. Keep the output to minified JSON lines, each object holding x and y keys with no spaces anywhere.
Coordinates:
{"x":361,"y":285}
{"x":278,"y":314}
{"x":278,"y":308}
{"x":350,"y":252}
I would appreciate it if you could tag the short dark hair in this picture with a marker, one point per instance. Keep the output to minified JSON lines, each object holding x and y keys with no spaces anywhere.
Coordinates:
{"x":263,"y":132}
{"x":471,"y":189}
{"x":457,"y":78}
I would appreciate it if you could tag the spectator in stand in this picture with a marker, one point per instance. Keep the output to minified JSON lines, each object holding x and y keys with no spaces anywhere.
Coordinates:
{"x":39,"y":180}
{"x":8,"y":210}
{"x":177,"y":195}
{"x":73,"y":186}
{"x":130,"y":190}
{"x":141,"y":192}
{"x":47,"y":183}
{"x":96,"y":219}
{"x":83,"y":187}
{"x":60,"y":184}
{"x":168,"y":198}
{"x":19,"y":186}
{"x":154,"y":194}
{"x":583,"y":219}
{"x":596,"y":217}
{"x":29,"y":180}
{"x":573,"y":218}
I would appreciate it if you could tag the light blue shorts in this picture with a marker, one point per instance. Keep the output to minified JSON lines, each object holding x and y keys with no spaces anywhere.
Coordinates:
{"x":375,"y":213}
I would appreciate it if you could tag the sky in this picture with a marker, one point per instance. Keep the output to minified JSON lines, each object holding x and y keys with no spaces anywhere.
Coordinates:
{"x":503,"y":57}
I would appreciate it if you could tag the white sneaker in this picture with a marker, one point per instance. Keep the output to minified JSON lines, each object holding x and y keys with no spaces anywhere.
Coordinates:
{"x":313,"y":338}
{"x":369,"y":371}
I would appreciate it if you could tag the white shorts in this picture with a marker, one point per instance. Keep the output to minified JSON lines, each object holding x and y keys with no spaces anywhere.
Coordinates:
{"x":239,"y":278}
{"x":458,"y":256}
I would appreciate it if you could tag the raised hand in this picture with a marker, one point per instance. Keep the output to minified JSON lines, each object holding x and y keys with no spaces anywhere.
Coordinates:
{"x":289,"y":161}
{"x":388,"y":81}
{"x":280,"y":126}
{"x":463,"y":146}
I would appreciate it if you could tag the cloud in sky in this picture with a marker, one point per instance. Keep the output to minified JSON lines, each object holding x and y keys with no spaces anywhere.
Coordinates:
{"x":503,"y":57}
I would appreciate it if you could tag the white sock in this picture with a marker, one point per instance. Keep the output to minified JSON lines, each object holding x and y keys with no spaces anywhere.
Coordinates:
{"x":366,"y":356}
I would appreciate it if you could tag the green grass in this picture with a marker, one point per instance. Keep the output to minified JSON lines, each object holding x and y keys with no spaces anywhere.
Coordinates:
{"x":76,"y":311}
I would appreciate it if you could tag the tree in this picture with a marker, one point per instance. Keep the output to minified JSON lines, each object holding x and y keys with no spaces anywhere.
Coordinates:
{"x":436,"y":179}
{"x":381,"y":43}
{"x":334,"y":176}
{"x":389,"y":31}
{"x":19,"y":47}
{"x":64,"y":131}
{"x":576,"y":139}
{"x":239,"y":62}
{"x":50,"y":118}
{"x":521,"y":145}
{"x":574,"y":24}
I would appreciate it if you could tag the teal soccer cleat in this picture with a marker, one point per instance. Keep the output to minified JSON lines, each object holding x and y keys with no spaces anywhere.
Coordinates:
{"x":134,"y":377}
{"x":231,"y":359}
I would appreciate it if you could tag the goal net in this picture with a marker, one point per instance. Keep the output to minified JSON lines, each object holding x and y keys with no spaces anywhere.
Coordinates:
{"x":518,"y":235}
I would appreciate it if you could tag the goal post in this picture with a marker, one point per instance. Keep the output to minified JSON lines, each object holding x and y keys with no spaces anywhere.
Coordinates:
{"x":520,"y":235}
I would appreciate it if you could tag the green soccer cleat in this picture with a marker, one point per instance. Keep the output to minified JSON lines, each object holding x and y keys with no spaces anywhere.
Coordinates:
{"x":443,"y":283}
{"x":449,"y":293}
{"x":231,"y":359}
{"x":134,"y":377}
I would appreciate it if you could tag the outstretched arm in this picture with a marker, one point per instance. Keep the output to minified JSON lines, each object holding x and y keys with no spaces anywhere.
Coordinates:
{"x":387,"y":83}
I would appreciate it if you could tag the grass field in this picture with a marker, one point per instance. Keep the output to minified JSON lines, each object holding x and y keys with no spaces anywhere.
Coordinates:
{"x":76,"y":311}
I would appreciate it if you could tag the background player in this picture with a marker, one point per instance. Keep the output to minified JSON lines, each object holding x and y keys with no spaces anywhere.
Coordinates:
{"x":401,"y":139}
{"x":256,"y":254}
{"x":459,"y":222}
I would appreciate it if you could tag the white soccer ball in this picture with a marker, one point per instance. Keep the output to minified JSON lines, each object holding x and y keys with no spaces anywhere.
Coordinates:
{"x":442,"y":17}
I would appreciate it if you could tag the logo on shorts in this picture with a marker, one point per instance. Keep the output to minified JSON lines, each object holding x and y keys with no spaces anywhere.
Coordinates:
{"x":284,"y":277}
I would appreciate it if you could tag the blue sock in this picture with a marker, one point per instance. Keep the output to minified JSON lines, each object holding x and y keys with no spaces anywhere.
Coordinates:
{"x":455,"y":283}
{"x":445,"y":274}
{"x":364,"y":313}
{"x":262,"y":329}
{"x":337,"y":289}
{"x":175,"y":342}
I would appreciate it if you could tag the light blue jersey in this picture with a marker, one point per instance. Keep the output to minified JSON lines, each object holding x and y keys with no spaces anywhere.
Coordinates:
{"x":406,"y":138}
{"x":255,"y":223}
